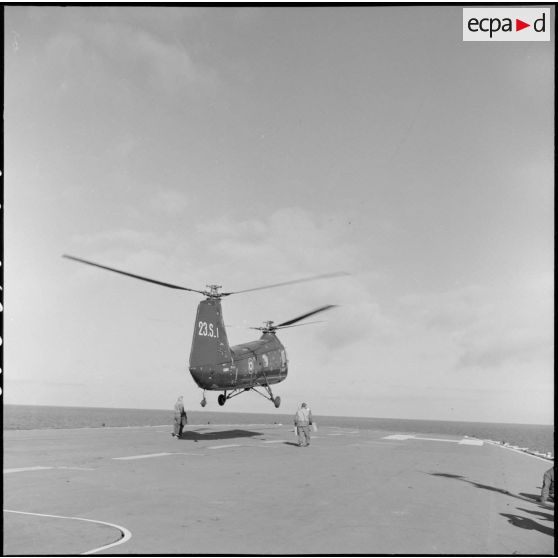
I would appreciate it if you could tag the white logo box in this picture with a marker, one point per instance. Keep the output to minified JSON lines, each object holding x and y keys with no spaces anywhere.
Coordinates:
{"x":502,"y":24}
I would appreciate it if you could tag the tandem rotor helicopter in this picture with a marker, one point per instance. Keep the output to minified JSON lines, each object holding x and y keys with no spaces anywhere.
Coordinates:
{"x":214,"y":364}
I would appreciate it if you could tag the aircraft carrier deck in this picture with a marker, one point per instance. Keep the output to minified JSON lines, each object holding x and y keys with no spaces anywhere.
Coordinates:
{"x":249,"y":489}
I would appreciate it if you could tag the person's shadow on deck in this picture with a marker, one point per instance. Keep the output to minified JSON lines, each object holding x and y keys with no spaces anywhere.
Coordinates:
{"x":516,"y":520}
{"x":193,"y":435}
{"x":543,"y":516}
{"x":526,"y":523}
{"x":532,"y":498}
{"x":477,"y":484}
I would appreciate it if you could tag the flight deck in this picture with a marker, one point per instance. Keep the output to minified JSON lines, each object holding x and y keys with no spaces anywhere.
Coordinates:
{"x":249,"y":489}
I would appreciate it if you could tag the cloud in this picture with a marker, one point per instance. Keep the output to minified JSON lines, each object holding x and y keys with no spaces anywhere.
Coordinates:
{"x":495,"y":350}
{"x":170,"y":202}
{"x":116,"y":236}
{"x":491,"y":325}
{"x":114,"y":56}
{"x":288,"y":244}
{"x":285,"y":239}
{"x":449,"y":311}
{"x":359,"y":324}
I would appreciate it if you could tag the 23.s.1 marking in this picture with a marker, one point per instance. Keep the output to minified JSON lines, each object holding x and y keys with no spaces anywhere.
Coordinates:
{"x":207,"y":330}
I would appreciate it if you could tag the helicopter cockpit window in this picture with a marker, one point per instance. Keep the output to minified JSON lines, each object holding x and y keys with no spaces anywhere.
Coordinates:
{"x":283,"y":358}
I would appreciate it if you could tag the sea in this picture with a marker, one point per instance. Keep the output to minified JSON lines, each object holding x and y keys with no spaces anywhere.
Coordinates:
{"x":534,"y":437}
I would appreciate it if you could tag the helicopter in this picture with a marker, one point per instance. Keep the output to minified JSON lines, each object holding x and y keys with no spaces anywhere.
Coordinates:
{"x":214,"y":364}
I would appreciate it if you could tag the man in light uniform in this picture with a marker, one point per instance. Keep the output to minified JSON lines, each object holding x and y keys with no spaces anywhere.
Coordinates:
{"x":303,"y":421}
{"x":180,"y":418}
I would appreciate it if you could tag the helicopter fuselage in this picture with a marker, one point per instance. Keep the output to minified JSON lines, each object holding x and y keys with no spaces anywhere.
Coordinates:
{"x":214,"y":365}
{"x":256,"y":363}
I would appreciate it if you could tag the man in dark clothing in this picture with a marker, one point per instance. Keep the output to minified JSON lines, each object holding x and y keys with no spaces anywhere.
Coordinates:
{"x":548,"y":485}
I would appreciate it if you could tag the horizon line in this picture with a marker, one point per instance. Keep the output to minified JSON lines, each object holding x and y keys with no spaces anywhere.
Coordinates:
{"x":274,"y":413}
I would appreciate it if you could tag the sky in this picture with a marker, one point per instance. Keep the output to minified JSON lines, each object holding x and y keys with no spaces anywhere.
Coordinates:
{"x":249,"y":146}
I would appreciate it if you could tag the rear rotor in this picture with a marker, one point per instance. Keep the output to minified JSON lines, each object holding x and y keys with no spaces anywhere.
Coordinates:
{"x":268,"y":326}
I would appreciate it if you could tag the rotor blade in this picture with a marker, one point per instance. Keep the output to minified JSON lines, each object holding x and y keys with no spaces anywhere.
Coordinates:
{"x":286,"y":327}
{"x":307,"y":315}
{"x":170,"y":285}
{"x":298,"y":325}
{"x":315,"y":277}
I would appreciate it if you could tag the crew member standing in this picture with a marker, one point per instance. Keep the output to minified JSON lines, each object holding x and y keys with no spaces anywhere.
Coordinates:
{"x":180,"y":418}
{"x":303,"y":421}
{"x":548,"y":485}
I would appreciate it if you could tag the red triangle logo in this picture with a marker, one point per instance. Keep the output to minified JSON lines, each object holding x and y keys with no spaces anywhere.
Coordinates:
{"x":519,"y":25}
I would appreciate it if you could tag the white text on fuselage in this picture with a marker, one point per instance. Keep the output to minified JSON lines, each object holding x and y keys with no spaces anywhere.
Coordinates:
{"x":207,"y":330}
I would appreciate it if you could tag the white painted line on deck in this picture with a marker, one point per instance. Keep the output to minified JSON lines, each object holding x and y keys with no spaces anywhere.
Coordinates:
{"x":471,"y":442}
{"x":23,"y":469}
{"x":225,"y":446}
{"x":184,"y":453}
{"x":126,"y":535}
{"x":145,"y":456}
{"x":542,"y":458}
{"x":149,"y":455}
{"x":339,"y":431}
{"x":365,"y":443}
{"x":274,"y":441}
{"x":463,"y":441}
{"x":436,"y":439}
{"x":411,"y":437}
{"x":77,"y":468}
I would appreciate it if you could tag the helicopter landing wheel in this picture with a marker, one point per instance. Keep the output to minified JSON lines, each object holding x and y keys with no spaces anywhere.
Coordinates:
{"x":221,"y":399}
{"x":277,"y":402}
{"x":203,"y":402}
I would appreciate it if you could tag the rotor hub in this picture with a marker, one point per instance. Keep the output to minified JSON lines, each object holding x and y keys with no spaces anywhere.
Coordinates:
{"x":268,"y":327}
{"x":214,"y":291}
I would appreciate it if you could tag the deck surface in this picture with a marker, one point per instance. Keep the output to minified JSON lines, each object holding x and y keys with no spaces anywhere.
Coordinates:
{"x":249,"y":489}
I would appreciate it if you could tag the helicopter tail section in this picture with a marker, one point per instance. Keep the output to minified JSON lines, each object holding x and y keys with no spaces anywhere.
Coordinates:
{"x":210,"y":345}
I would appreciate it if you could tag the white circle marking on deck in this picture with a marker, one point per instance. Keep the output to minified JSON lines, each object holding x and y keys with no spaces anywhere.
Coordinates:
{"x":126,"y":534}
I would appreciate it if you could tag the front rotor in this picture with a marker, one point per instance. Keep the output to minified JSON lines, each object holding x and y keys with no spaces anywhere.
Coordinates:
{"x":213,"y":291}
